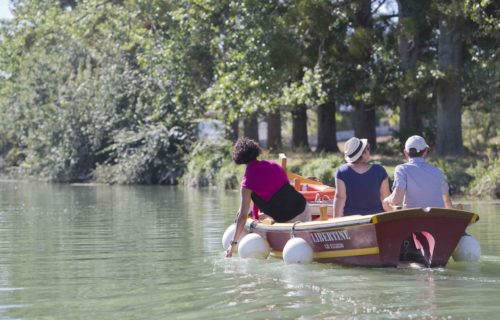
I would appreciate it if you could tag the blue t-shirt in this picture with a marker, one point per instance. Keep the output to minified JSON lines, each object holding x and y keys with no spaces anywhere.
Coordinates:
{"x":362,"y":190}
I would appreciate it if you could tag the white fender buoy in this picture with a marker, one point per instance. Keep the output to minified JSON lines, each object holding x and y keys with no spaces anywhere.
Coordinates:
{"x":253,"y":246}
{"x":297,"y":250}
{"x":468,"y":249}
{"x":228,"y":235}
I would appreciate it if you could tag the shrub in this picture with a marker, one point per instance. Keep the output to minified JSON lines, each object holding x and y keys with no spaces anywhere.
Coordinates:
{"x":455,"y":172}
{"x":229,"y":175}
{"x":390,"y":147}
{"x":323,"y":168}
{"x":486,"y":178}
{"x":206,"y":160}
{"x":152,"y":155}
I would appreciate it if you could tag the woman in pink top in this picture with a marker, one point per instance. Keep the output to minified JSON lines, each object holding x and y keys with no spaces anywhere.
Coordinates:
{"x":266,"y":184}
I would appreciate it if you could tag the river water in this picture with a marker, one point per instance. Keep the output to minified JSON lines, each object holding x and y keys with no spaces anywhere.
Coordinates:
{"x":117,"y":252}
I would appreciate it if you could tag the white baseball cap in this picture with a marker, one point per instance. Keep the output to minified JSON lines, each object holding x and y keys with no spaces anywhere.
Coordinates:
{"x":353,"y":149}
{"x":416,"y":142}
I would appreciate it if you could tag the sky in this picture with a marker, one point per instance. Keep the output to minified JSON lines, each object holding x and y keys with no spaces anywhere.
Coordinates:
{"x":4,"y":9}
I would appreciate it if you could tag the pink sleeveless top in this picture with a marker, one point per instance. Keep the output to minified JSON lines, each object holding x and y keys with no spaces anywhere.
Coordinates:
{"x":264,"y":178}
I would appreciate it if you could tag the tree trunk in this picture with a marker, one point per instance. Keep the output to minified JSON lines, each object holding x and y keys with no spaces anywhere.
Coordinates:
{"x":274,"y":139}
{"x":448,"y":91}
{"x":409,"y":47}
{"x":299,"y":129}
{"x":364,"y":124}
{"x":231,"y":131}
{"x":251,"y":127}
{"x":327,"y":129}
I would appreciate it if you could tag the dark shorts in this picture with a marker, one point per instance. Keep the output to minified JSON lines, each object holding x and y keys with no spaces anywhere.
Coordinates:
{"x":284,"y":205}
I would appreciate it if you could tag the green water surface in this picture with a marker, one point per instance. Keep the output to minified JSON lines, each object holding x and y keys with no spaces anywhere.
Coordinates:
{"x":115,"y":252}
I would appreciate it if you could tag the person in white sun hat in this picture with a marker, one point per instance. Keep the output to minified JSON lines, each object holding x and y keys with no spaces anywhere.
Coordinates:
{"x":417,"y":183}
{"x":360,"y":186}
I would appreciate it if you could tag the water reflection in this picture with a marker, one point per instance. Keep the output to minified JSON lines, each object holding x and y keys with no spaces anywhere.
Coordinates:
{"x":155,"y":253}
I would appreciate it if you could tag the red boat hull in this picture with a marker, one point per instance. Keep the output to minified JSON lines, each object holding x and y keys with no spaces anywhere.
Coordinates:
{"x":375,"y":240}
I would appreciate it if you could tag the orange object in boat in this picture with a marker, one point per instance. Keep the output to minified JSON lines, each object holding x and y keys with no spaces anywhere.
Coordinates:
{"x":318,"y":192}
{"x":311,"y":189}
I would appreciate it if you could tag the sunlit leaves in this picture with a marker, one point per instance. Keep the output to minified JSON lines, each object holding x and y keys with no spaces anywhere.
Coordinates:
{"x":83,"y":79}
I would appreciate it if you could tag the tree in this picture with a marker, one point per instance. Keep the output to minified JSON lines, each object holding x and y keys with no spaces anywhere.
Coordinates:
{"x":231,"y":131}
{"x":412,"y":30}
{"x":361,"y":49}
{"x":242,"y":83}
{"x":274,"y":138}
{"x":481,"y":75}
{"x":327,"y":132}
{"x":89,"y":93}
{"x":251,"y":127}
{"x":299,"y":128}
{"x":448,"y":87}
{"x":311,"y":36}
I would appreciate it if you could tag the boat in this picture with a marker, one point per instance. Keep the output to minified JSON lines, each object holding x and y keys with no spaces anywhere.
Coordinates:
{"x":426,"y":236}
{"x":318,"y":195}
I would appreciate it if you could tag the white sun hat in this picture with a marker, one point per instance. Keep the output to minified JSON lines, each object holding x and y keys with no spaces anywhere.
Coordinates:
{"x":416,"y":142}
{"x":353,"y":149}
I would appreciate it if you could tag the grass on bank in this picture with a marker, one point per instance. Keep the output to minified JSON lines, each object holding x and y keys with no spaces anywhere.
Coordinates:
{"x":468,"y":176}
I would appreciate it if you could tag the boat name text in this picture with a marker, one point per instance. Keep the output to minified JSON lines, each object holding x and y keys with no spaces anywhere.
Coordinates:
{"x":329,"y":236}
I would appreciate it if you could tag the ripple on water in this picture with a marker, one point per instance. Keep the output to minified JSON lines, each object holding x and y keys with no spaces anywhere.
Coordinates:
{"x":155,"y":253}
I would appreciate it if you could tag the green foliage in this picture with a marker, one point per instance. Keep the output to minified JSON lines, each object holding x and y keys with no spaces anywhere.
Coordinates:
{"x":486,"y":178}
{"x":309,"y":91}
{"x":480,"y":129}
{"x":88,"y":89}
{"x":485,"y":13}
{"x":210,"y":165}
{"x":229,"y":175}
{"x":455,"y":171}
{"x":205,"y":162}
{"x":390,"y":147}
{"x":111,"y":90}
{"x":482,"y":98}
{"x":242,"y":72}
{"x":149,"y":155}
{"x":323,"y":168}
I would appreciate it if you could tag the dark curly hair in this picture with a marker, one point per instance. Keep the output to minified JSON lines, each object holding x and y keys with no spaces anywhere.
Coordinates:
{"x":245,"y":150}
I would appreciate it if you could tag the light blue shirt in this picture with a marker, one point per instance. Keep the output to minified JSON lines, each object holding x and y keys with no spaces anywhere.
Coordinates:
{"x":424,"y":184}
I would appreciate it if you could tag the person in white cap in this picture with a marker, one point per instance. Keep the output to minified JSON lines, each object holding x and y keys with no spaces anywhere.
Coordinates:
{"x":360,"y":186}
{"x":417,"y":183}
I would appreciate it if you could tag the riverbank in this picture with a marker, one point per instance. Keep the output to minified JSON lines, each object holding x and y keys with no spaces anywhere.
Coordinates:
{"x":210,"y":165}
{"x":468,"y":176}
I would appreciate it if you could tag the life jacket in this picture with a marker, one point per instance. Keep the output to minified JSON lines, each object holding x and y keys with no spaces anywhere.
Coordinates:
{"x":284,"y":205}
